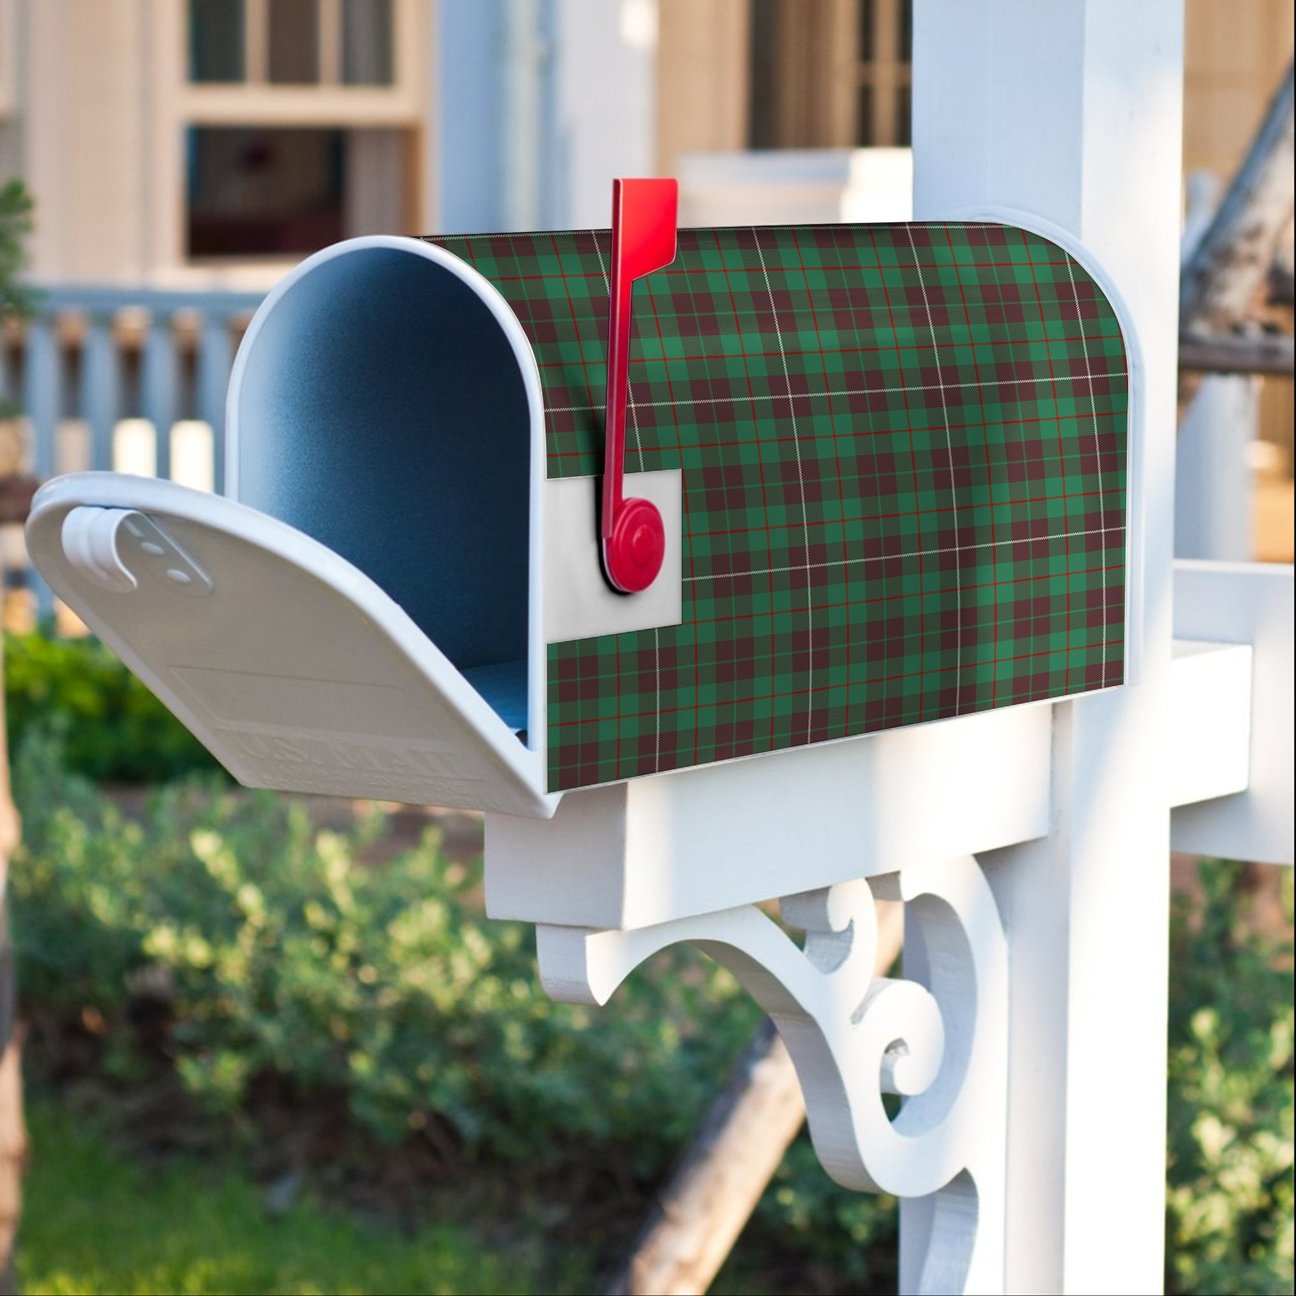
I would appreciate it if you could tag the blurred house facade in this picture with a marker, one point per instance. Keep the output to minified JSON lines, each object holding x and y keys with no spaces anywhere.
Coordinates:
{"x":184,"y":153}
{"x":213,"y":142}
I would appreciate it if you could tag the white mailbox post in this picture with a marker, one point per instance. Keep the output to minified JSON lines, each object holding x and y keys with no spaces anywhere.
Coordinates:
{"x":1074,"y":111}
{"x":381,"y":628}
{"x":1032,"y":848}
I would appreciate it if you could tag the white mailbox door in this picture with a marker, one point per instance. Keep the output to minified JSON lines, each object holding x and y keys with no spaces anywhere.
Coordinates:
{"x":287,"y":662}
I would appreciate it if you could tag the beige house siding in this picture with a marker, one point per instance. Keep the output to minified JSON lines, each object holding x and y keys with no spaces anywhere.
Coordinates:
{"x":83,"y":112}
{"x":702,"y":84}
{"x":96,"y":123}
{"x":1233,"y":57}
{"x":93,"y":102}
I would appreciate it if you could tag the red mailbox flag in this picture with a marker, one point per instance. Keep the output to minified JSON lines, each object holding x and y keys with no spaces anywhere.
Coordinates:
{"x":644,"y":219}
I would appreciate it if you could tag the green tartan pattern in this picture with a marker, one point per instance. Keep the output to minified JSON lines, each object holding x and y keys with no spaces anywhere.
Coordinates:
{"x":904,"y":464}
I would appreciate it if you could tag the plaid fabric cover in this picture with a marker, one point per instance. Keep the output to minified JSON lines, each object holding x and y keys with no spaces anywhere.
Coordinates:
{"x":904,"y":465}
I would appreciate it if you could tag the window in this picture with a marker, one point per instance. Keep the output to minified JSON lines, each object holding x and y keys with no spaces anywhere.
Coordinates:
{"x":264,"y":192}
{"x":293,"y":53}
{"x":366,"y":42}
{"x":291,"y":42}
{"x":833,"y":74}
{"x":884,"y":71}
{"x":271,"y":192}
{"x":216,"y":49}
{"x":297,"y":123}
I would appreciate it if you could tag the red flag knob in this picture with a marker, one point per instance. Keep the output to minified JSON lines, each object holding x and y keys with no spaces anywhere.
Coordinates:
{"x":633,"y":553}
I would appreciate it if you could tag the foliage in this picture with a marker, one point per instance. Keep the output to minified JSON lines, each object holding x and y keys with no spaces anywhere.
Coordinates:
{"x":15,"y":224}
{"x":112,"y":727}
{"x":1230,"y":1197}
{"x":283,"y":954}
{"x":94,"y":1221}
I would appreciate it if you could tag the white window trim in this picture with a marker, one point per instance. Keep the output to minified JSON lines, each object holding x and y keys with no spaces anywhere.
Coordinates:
{"x":180,"y":104}
{"x":330,"y":102}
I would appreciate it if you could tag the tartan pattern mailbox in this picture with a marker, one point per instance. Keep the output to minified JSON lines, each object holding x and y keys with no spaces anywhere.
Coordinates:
{"x":892,"y":460}
{"x":903,"y":451}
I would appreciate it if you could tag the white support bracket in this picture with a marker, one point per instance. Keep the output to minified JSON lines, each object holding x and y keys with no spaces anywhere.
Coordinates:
{"x":937,"y":1037}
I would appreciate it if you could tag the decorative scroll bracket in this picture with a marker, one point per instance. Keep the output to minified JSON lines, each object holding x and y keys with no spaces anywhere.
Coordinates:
{"x":938,"y":1037}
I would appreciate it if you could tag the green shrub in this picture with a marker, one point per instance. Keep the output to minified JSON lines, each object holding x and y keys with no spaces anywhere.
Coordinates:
{"x":1229,"y":1200}
{"x":113,"y":728}
{"x":282,"y":954}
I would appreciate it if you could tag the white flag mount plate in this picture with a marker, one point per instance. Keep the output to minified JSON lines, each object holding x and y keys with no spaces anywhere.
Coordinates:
{"x":287,"y":662}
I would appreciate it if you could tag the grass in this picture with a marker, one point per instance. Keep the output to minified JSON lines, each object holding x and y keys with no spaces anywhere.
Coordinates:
{"x":95,"y":1221}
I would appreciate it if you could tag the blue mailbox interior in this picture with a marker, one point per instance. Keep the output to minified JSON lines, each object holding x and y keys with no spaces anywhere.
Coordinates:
{"x":382,"y":411}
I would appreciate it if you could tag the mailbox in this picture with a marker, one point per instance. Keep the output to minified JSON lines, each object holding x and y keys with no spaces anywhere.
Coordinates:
{"x":887,"y":465}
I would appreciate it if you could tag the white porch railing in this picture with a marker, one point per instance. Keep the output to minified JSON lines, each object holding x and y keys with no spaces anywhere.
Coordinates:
{"x":123,"y":379}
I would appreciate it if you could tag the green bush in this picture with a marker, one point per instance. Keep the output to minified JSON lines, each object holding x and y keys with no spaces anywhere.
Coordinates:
{"x":113,"y":728}
{"x":282,"y":954}
{"x":1230,"y":1200}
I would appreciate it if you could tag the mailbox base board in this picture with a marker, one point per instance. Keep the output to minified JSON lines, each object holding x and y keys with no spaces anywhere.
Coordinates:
{"x":679,"y":845}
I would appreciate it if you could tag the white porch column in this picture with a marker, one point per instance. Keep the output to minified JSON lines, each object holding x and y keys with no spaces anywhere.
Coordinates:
{"x":605,"y":74}
{"x":1071,"y":111}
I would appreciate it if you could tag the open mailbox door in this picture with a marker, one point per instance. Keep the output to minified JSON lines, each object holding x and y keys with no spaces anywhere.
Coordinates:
{"x":293,"y":667}
{"x":362,"y":619}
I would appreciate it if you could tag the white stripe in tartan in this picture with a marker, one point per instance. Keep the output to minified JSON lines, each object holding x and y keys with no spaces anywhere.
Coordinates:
{"x":1013,"y":351}
{"x":748,"y":399}
{"x":915,"y":553}
{"x":949,"y":447}
{"x":805,"y":516}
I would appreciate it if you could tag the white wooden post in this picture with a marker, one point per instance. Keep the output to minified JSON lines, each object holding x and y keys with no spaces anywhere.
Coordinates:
{"x":1072,"y":112}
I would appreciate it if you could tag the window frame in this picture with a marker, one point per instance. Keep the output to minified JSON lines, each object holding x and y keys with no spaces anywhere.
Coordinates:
{"x":255,"y":100}
{"x":181,"y":103}
{"x":816,"y":95}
